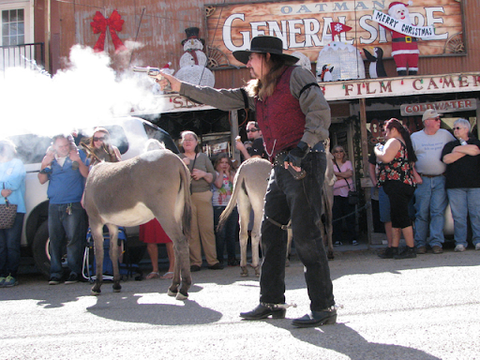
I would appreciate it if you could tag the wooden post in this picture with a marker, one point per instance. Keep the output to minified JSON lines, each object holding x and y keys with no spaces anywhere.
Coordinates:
{"x":364,"y":144}
{"x":477,"y":113}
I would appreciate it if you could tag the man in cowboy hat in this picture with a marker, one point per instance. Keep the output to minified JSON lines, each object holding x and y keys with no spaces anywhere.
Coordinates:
{"x":294,"y":118}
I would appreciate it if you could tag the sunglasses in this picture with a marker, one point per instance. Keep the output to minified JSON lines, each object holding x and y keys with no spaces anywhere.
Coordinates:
{"x":435,"y":119}
{"x":457,"y":128}
{"x":251,"y":130}
{"x":99,"y":138}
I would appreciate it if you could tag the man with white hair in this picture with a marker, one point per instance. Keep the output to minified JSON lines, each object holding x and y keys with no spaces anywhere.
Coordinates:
{"x":430,"y":195}
{"x":463,"y":183}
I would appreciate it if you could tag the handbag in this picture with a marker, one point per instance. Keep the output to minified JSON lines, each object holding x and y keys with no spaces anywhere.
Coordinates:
{"x":353,"y":196}
{"x":8,"y":213}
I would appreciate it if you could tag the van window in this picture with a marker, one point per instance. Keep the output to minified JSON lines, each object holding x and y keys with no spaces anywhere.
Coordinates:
{"x":31,"y":148}
{"x":154,"y":132}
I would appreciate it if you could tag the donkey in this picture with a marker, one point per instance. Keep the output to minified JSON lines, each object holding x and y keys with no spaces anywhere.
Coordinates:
{"x":249,"y":188}
{"x":132,"y":192}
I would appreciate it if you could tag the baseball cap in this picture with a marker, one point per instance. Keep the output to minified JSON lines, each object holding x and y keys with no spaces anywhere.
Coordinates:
{"x":430,"y":114}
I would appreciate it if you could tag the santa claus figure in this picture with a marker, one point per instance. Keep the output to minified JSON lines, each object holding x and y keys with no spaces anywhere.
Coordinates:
{"x":404,"y":48}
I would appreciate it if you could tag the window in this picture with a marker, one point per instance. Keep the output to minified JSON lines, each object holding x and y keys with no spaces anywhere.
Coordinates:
{"x":13,"y":27}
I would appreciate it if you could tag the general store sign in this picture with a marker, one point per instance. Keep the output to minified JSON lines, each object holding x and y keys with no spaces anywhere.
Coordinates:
{"x":448,"y":106}
{"x":305,"y":25}
{"x":399,"y":86}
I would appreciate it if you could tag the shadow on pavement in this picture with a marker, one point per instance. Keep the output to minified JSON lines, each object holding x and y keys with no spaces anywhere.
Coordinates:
{"x":344,"y":340}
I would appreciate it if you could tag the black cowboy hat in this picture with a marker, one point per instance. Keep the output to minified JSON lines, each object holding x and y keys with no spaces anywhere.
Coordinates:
{"x":263,"y":45}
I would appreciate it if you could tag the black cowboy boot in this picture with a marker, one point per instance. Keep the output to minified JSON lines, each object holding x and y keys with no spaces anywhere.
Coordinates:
{"x":317,"y":318}
{"x":264,"y":310}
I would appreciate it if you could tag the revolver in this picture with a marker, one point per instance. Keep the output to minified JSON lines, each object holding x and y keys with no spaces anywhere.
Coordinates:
{"x":155,"y":73}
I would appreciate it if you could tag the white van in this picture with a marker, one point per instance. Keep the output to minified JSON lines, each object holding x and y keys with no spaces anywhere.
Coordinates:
{"x":129,"y":134}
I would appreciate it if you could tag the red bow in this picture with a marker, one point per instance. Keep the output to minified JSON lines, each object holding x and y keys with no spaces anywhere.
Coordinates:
{"x":100,"y":24}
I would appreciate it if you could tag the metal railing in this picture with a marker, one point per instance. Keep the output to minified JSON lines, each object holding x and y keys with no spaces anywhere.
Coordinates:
{"x":24,"y":55}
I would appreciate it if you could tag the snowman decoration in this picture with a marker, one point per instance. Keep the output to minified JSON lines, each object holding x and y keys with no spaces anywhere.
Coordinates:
{"x":193,"y":62}
{"x":404,"y":48}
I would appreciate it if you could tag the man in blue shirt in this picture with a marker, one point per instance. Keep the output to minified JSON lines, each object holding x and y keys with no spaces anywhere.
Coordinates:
{"x":64,"y":167}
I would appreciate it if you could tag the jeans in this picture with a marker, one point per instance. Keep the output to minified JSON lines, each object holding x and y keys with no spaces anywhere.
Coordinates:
{"x":430,"y":203}
{"x":227,"y":236}
{"x":10,"y":247}
{"x":300,"y":201}
{"x":69,"y":230}
{"x":384,"y":202}
{"x":465,"y":201}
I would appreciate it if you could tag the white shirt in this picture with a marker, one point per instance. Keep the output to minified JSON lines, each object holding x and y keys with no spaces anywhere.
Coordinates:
{"x":428,"y":149}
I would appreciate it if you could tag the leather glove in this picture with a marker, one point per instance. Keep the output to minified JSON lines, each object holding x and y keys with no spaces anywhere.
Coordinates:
{"x":297,"y":154}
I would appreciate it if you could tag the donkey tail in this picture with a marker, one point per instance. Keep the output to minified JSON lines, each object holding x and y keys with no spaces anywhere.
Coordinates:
{"x":237,"y":185}
{"x":187,"y":208}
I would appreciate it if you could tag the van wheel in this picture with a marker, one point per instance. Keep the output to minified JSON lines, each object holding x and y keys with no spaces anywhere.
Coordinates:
{"x":41,"y":249}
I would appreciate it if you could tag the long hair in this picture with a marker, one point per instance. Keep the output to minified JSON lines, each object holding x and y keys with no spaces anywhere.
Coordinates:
{"x":232,"y":167}
{"x":263,"y":88}
{"x":396,"y":124}
{"x":89,"y":146}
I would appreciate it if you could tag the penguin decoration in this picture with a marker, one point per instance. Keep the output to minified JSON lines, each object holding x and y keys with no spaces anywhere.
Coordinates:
{"x":326,"y":74}
{"x":376,"y":68}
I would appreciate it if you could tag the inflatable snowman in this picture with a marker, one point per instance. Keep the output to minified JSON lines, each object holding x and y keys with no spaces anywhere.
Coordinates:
{"x":193,"y":63}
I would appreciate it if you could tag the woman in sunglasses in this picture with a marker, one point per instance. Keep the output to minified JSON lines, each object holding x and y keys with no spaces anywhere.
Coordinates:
{"x":462,"y":181}
{"x":341,"y":207}
{"x":98,"y":147}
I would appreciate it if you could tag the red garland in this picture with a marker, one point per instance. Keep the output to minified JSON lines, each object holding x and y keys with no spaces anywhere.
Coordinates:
{"x":100,"y":24}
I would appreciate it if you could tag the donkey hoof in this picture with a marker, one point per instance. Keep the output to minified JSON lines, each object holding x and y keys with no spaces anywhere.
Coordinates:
{"x":95,"y":291}
{"x":116,"y":287}
{"x":257,"y":270}
{"x":172,"y":293}
{"x":181,"y":296}
{"x":244,"y":272}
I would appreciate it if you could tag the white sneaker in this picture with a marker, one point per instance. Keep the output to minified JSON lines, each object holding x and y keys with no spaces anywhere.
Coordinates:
{"x":477,"y":247}
{"x":460,"y":248}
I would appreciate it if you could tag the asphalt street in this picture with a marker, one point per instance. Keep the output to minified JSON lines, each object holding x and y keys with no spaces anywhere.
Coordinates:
{"x":425,"y":308}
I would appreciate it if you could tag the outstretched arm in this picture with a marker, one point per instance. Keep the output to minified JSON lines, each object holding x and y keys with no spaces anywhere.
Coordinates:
{"x":223,"y":99}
